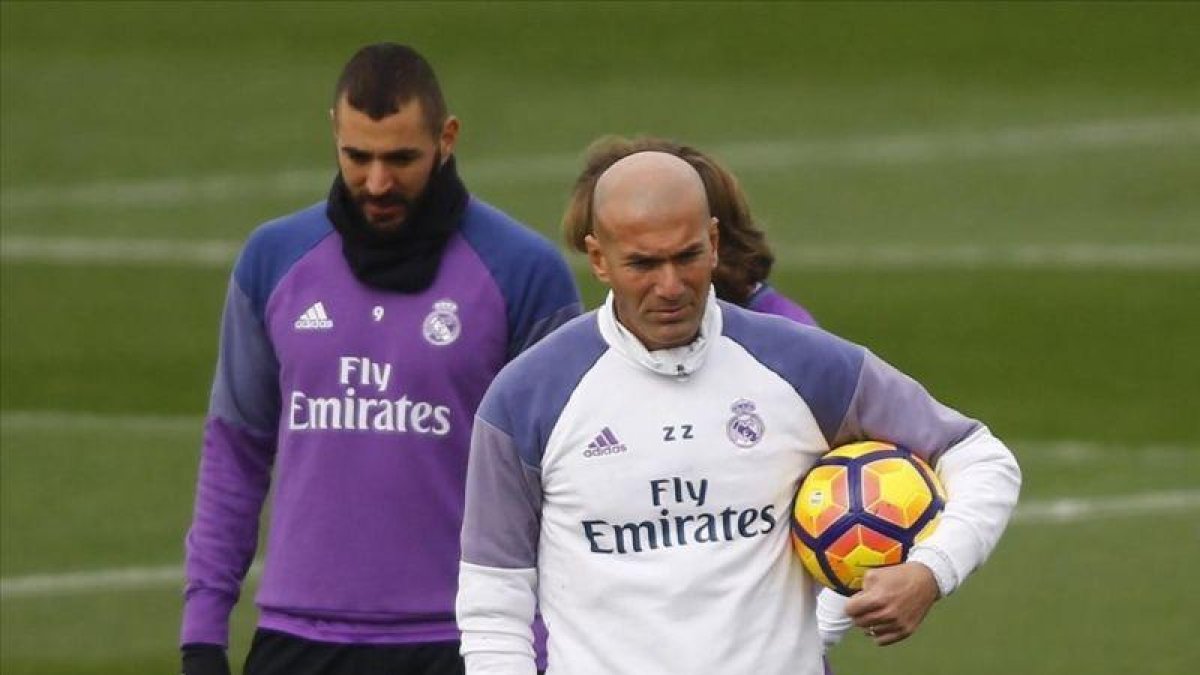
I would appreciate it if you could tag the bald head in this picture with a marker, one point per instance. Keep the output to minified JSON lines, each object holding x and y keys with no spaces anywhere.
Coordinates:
{"x":654,"y":243}
{"x":647,"y":186}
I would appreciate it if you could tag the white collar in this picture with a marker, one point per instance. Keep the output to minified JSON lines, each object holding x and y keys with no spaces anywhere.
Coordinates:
{"x":676,"y":361}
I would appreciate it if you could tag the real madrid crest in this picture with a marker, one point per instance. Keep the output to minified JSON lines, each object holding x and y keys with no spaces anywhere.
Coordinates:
{"x":745,"y":428}
{"x":442,"y":326}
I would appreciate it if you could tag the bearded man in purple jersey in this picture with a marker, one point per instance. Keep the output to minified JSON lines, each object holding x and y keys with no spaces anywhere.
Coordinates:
{"x":358,"y":337}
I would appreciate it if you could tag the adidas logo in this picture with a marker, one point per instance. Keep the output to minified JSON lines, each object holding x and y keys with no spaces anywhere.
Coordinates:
{"x":314,"y":318}
{"x":605,"y":443}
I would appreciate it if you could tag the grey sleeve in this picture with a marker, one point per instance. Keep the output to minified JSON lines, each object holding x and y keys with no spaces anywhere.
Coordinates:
{"x":980,"y":473}
{"x":502,"y":521}
{"x":890,"y":406}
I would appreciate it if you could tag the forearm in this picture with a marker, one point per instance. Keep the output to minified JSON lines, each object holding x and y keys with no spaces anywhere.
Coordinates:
{"x":982,"y":481}
{"x":233,"y":481}
{"x":495,"y":610}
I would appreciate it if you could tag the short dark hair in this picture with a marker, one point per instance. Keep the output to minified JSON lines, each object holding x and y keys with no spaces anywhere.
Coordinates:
{"x":744,"y":258}
{"x":380,"y":78}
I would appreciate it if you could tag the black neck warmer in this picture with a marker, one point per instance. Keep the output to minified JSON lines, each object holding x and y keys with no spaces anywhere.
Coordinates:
{"x":405,"y":260}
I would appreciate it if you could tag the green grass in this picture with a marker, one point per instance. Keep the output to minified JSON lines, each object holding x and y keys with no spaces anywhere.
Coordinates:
{"x":1103,"y":356}
{"x":121,"y":496}
{"x":1090,"y":372}
{"x":1073,"y":579}
{"x":113,"y":633}
{"x":1059,"y":599}
{"x":98,"y":467}
{"x":73,"y":334}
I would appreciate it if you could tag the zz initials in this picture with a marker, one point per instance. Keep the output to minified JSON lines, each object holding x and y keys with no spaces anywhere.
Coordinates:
{"x":682,"y":432}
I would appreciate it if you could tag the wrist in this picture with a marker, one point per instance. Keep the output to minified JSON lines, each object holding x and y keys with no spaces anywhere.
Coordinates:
{"x":941,"y":572}
{"x":204,"y":659}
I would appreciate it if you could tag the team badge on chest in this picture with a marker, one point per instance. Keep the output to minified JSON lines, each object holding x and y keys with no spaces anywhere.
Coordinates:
{"x":745,"y":428}
{"x":442,"y":326}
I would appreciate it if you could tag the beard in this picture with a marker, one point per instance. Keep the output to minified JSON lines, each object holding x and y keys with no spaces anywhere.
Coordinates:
{"x":404,"y":257}
{"x":392,"y":202}
{"x":402,"y":206}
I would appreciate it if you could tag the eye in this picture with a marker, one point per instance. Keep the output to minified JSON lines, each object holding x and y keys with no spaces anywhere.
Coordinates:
{"x":401,"y":158}
{"x":356,"y":156}
{"x":641,"y":265}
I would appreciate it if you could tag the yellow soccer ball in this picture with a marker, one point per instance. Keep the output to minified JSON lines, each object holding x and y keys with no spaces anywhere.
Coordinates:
{"x":861,"y":506}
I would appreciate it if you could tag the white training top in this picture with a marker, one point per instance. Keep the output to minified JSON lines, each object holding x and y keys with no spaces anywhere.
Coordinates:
{"x":642,"y":497}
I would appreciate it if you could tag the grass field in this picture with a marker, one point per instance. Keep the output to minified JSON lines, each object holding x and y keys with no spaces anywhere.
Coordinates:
{"x":998,"y":198}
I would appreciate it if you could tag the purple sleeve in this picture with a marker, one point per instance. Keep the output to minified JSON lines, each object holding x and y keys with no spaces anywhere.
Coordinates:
{"x":890,"y":406}
{"x":542,"y":299}
{"x":821,"y":367}
{"x":767,"y":300}
{"x":235,"y":468}
{"x":542,"y":327}
{"x":853,"y":394}
{"x":534,"y":280}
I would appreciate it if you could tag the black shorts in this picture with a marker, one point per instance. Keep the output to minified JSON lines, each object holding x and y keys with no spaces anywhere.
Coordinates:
{"x":275,"y":653}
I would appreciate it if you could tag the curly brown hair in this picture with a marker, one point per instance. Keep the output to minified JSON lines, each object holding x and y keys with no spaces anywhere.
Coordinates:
{"x":744,"y":257}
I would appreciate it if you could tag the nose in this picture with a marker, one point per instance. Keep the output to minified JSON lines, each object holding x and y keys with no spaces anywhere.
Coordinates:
{"x":670,"y":283}
{"x":379,"y":180}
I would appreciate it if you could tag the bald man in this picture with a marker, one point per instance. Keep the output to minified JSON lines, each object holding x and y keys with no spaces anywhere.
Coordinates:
{"x":655,"y":245}
{"x":633,"y":471}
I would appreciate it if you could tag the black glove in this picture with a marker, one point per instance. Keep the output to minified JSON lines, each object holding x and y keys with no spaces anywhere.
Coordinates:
{"x":204,"y":659}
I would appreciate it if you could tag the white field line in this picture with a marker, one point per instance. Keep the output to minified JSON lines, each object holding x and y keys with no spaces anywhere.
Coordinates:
{"x":1053,"y":511}
{"x":745,"y":157}
{"x":115,"y":579}
{"x":1072,"y":256}
{"x":69,"y":420}
{"x":1029,"y":451}
{"x":220,"y":254}
{"x":1077,"y":453}
{"x":102,"y":251}
{"x":1070,"y":510}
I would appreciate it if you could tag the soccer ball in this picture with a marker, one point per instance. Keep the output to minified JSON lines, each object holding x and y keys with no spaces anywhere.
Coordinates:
{"x":863,"y":505}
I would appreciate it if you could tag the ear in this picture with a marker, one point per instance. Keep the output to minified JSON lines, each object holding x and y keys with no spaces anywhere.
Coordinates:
{"x":333,"y":121}
{"x":714,"y":238}
{"x":596,"y":258}
{"x":449,"y":136}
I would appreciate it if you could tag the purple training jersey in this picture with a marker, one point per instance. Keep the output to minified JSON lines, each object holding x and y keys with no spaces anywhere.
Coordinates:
{"x":767,"y":300}
{"x":360,"y":402}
